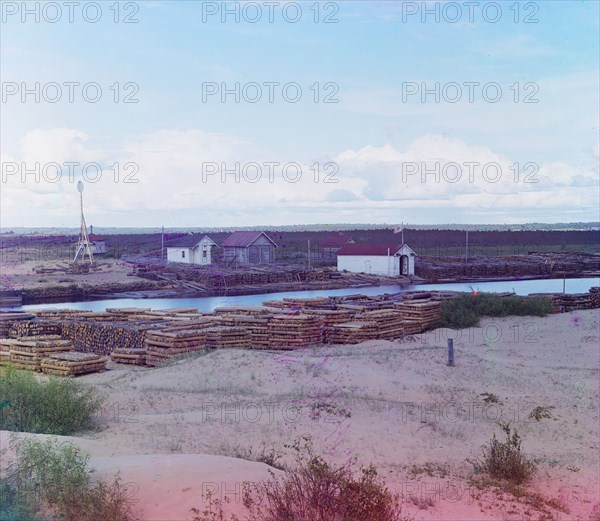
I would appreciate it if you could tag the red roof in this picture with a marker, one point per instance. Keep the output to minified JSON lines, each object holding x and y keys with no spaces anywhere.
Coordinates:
{"x":369,"y":249}
{"x":336,"y":239}
{"x":244,"y":239}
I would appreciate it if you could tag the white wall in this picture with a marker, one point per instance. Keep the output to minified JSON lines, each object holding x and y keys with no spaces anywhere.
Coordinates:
{"x":174,"y":255}
{"x":370,"y":264}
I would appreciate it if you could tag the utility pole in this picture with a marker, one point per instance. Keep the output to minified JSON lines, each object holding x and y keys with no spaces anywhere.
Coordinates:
{"x":467,"y":246}
{"x":162,"y":245}
{"x":308,"y":254}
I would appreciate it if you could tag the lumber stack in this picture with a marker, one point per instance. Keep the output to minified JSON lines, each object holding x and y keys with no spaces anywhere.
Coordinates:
{"x":129,"y":356}
{"x":295,"y":331}
{"x":389,"y":322}
{"x":9,"y":318}
{"x":353,"y":332}
{"x":103,"y":337}
{"x":256,"y":327}
{"x":35,"y":328}
{"x":419,"y":315}
{"x":595,"y":297}
{"x":73,"y":364}
{"x":254,"y":311}
{"x":163,"y":345}
{"x":309,"y":303}
{"x":28,"y":352}
{"x":6,"y":344}
{"x":331,"y":317}
{"x":227,"y":337}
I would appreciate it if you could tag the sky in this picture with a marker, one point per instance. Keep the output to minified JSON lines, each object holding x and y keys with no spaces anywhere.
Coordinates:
{"x":190,"y":113}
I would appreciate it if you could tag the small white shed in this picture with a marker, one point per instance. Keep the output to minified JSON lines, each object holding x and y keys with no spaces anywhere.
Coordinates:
{"x":377,"y":259}
{"x":192,"y":249}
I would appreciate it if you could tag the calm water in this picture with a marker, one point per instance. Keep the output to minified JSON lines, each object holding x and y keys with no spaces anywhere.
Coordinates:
{"x":521,"y":287}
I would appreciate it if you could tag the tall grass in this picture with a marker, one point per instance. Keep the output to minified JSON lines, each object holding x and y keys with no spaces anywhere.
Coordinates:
{"x":466,"y":310}
{"x":50,"y":405}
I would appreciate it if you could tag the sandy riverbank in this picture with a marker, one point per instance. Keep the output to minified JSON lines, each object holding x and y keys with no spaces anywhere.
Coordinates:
{"x":394,"y":404}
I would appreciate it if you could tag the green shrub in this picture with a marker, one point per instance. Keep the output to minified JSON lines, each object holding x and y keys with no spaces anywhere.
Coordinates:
{"x":466,"y":309}
{"x":51,"y":405}
{"x":505,"y":460}
{"x":48,"y":477}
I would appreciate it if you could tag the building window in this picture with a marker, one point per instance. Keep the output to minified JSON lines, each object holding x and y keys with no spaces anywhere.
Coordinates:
{"x":204,"y":254}
{"x":183,"y":254}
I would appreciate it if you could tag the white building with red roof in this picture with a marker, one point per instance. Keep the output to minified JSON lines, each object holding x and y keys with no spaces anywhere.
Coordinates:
{"x":377,"y":259}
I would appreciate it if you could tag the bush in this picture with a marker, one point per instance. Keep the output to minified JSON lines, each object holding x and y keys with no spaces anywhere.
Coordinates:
{"x":315,"y":490}
{"x":50,"y":406}
{"x":51,"y":477}
{"x":504,"y":459}
{"x":465,"y":310}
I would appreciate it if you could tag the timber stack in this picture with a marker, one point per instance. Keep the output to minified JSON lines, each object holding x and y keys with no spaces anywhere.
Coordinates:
{"x":73,"y":364}
{"x":295,"y":331}
{"x":123,"y":355}
{"x":352,"y":332}
{"x":29,"y":352}
{"x":419,"y":315}
{"x":389,"y":322}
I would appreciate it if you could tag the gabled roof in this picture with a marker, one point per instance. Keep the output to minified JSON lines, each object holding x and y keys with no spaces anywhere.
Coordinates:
{"x":189,"y":241}
{"x":244,"y":239}
{"x":336,"y":239}
{"x":372,"y":249}
{"x":94,"y":237}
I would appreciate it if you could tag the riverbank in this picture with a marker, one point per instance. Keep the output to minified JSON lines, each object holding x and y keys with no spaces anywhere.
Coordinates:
{"x":395,"y":404}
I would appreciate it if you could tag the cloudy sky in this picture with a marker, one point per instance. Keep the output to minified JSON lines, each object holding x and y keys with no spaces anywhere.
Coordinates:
{"x":189,"y":113}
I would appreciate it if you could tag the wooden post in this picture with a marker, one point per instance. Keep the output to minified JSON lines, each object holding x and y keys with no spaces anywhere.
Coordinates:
{"x":450,"y":352}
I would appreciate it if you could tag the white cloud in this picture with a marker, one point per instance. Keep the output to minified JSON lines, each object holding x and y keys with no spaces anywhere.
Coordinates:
{"x":375,"y":183}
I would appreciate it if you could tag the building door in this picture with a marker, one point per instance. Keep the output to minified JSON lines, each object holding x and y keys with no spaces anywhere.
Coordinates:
{"x":404,"y":265}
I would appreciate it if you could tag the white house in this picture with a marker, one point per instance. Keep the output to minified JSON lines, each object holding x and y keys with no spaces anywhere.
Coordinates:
{"x":192,"y":249}
{"x":377,"y":259}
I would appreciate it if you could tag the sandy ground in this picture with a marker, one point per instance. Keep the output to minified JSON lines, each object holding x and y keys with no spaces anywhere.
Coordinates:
{"x":21,"y":274}
{"x":173,"y":431}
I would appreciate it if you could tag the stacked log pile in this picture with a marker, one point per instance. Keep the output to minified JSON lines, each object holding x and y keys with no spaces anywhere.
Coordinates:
{"x":9,"y":318}
{"x":28,"y":352}
{"x":419,"y":315}
{"x":167,"y":343}
{"x":6,"y":344}
{"x":256,"y":327}
{"x":295,"y":331}
{"x":389,"y":322}
{"x":34,"y":328}
{"x":102,"y":337}
{"x":221,"y":337}
{"x":73,"y":364}
{"x":595,"y":297}
{"x":442,"y":269}
{"x":129,"y":356}
{"x":352,"y":332}
{"x":329,"y":318}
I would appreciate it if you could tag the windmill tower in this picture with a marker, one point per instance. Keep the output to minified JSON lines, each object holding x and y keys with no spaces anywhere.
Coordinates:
{"x":84,"y":246}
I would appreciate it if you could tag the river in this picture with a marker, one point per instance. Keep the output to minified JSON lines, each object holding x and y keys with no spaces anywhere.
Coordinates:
{"x":207,"y":304}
